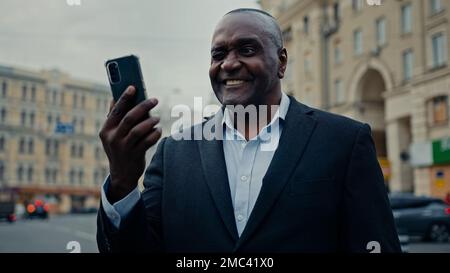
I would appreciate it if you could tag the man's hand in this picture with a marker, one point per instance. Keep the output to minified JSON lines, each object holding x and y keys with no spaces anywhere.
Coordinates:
{"x":127,"y":134}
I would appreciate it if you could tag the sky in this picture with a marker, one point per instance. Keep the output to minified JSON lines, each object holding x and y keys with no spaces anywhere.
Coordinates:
{"x":171,"y":37}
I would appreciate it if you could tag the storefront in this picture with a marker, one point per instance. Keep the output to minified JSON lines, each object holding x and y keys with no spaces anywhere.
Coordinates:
{"x":433,"y":157}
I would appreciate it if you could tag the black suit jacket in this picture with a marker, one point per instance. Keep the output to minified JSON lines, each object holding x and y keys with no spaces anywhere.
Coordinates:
{"x":323,"y":192}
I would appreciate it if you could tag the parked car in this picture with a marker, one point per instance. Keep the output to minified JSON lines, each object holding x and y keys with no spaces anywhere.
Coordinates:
{"x":422,"y":216}
{"x":7,"y":209}
{"x":37,"y":209}
{"x":7,"y":205}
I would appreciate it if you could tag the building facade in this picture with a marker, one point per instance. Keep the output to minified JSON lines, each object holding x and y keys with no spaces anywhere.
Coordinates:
{"x":49,"y":145}
{"x":384,"y":63}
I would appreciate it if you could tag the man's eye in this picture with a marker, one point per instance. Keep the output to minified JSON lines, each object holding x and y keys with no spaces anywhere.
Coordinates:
{"x":247,"y":50}
{"x":218,"y":55}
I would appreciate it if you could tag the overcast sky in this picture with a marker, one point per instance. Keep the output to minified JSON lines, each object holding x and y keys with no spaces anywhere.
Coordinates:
{"x":171,"y":37}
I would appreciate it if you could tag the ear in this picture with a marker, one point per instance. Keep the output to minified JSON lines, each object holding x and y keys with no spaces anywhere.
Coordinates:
{"x":282,"y":58}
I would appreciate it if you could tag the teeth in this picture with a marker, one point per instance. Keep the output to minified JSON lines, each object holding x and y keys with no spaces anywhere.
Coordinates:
{"x":233,"y":82}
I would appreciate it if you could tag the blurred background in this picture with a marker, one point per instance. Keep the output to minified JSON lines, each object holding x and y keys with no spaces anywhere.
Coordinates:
{"x":383,"y":62}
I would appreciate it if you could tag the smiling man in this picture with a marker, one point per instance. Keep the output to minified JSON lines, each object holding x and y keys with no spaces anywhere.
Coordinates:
{"x":319,"y":189}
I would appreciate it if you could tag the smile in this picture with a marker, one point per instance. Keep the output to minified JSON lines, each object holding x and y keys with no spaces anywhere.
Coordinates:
{"x":233,"y":82}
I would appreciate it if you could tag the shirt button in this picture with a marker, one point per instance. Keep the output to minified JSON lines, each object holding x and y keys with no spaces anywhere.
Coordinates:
{"x":240,"y":217}
{"x":244,"y":178}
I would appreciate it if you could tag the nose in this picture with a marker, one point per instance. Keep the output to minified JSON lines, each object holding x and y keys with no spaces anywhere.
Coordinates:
{"x":230,"y":63}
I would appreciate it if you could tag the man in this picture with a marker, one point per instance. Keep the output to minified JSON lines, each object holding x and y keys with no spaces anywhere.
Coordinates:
{"x":319,"y":189}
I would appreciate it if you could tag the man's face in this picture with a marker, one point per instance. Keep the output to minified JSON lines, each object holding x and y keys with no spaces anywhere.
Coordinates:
{"x":244,"y":60}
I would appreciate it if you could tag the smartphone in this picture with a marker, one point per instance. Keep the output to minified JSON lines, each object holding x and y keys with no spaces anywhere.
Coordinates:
{"x":123,"y":72}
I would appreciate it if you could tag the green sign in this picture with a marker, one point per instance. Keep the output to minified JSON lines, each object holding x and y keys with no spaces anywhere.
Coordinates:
{"x":441,"y":151}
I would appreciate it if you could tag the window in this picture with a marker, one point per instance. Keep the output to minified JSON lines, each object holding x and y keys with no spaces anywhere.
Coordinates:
{"x":435,"y":6}
{"x":337,"y":55}
{"x":72,"y":176}
{"x":47,"y":96}
{"x":33,"y":92}
{"x":30,"y":173}
{"x":24,"y":91}
{"x":49,"y":119}
{"x":54,"y":97}
{"x":336,"y":12}
{"x":62,"y":97}
{"x":30,"y":146}
{"x":98,"y":102}
{"x":47,"y":175}
{"x":83,"y":101}
{"x":54,"y":176}
{"x":80,"y":176}
{"x":357,"y":5}
{"x":20,"y":173}
{"x":21,"y":145}
{"x":306,"y":24}
{"x":357,"y":42}
{"x":4,"y":89}
{"x":48,"y":145}
{"x":81,"y":151}
{"x":3,"y":115}
{"x":338,"y":92}
{"x":2,"y":143}
{"x":51,"y":147}
{"x":73,"y":149}
{"x":96,"y":176}
{"x":381,"y":31}
{"x":75,"y":100}
{"x":82,"y":125}
{"x":74,"y":123}
{"x":55,"y":147}
{"x":32,"y":116}
{"x":407,"y":64}
{"x":438,"y":110}
{"x":439,"y":48}
{"x":287,"y":34}
{"x":406,"y":19}
{"x":2,"y":171}
{"x":23,"y":117}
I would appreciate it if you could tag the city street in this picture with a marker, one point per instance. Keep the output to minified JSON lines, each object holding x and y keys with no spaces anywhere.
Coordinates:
{"x":49,"y":236}
{"x":53,"y":235}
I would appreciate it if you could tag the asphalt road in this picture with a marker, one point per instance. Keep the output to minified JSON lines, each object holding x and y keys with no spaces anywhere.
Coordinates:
{"x":54,"y":235}
{"x":50,"y":236}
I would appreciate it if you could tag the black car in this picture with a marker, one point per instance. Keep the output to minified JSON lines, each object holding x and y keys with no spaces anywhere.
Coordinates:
{"x":7,"y":211}
{"x":422,"y":216}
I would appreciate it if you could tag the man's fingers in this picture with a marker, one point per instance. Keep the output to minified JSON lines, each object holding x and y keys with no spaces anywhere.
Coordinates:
{"x":149,"y":140}
{"x":141,"y":130}
{"x":135,"y":116}
{"x":120,"y":109}
{"x":111,"y":105}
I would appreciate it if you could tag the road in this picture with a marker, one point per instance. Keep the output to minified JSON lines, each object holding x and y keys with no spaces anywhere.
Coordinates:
{"x":49,"y":236}
{"x":53,"y":235}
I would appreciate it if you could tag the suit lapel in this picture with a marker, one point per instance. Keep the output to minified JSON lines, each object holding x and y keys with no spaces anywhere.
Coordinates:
{"x":297,"y":129}
{"x":215,"y":170}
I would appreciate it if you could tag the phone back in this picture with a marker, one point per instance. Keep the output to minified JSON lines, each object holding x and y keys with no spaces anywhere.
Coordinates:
{"x":123,"y":72}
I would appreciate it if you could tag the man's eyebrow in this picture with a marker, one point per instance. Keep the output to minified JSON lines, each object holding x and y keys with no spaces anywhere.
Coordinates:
{"x":238,"y":42}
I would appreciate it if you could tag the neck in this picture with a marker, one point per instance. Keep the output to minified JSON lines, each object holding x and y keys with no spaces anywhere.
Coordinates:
{"x":250,"y":121}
